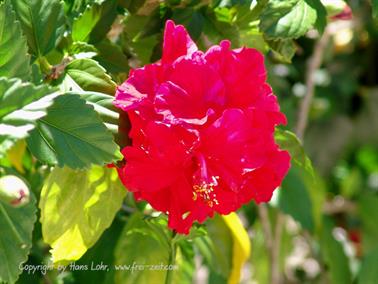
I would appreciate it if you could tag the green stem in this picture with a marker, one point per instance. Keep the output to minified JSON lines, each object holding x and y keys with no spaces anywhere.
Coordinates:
{"x":44,"y":65}
{"x":171,"y":261}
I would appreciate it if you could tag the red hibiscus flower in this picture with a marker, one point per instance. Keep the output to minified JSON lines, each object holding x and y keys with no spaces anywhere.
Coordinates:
{"x":202,"y":128}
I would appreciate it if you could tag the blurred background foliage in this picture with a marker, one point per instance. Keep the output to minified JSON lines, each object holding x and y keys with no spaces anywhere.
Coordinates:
{"x":318,"y":229}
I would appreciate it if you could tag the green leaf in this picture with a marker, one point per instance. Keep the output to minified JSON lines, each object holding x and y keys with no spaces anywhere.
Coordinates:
{"x":14,"y":60}
{"x":103,"y":105}
{"x":288,"y":19}
{"x":293,"y":189}
{"x":247,"y":13}
{"x":16,"y":225}
{"x":22,"y":104}
{"x":72,"y":134}
{"x":132,"y":5}
{"x":99,"y":100}
{"x":42,"y":22}
{"x":117,"y":123}
{"x":352,"y":183}
{"x":93,"y":24}
{"x":375,"y":8}
{"x":185,"y":262}
{"x":143,"y":242}
{"x":368,"y":273}
{"x":368,"y":212}
{"x":321,"y":14}
{"x":216,"y":248}
{"x":75,"y":7}
{"x":259,"y":256}
{"x":253,"y":38}
{"x":288,"y":141}
{"x":191,"y":19}
{"x":89,"y":76}
{"x":112,"y":57}
{"x":76,"y":208}
{"x":309,"y":186}
{"x":79,"y":48}
{"x":333,"y":255}
{"x":283,"y":49}
{"x":135,"y":27}
{"x":217,"y":26}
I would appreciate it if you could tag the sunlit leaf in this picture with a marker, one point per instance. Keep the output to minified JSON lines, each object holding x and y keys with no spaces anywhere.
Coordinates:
{"x":289,"y":19}
{"x":76,"y":207}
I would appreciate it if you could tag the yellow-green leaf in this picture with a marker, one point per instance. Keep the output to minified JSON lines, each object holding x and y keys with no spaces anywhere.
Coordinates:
{"x":76,"y":207}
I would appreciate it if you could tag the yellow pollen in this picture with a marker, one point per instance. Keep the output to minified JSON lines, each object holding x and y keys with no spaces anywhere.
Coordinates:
{"x":206,"y":192}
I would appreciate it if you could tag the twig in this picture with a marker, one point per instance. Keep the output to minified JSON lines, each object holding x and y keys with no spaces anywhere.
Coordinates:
{"x":338,"y":206}
{"x":266,"y":226}
{"x":275,"y":273}
{"x":314,"y":63}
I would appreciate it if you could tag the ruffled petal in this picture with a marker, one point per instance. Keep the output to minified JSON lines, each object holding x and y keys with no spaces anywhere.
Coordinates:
{"x":140,"y":88}
{"x":177,"y":42}
{"x":260,"y":183}
{"x":156,"y":162}
{"x":192,"y":92}
{"x":242,"y":71}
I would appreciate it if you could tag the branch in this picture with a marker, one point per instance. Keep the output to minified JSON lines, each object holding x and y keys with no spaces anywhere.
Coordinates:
{"x":338,"y":206}
{"x":266,"y":226}
{"x":314,"y":64}
{"x":275,"y":272}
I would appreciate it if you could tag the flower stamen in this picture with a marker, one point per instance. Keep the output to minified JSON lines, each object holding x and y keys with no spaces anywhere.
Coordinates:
{"x":205,"y":191}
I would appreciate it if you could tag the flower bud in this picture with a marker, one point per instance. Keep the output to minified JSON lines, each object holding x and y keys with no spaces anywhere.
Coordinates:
{"x":14,"y":191}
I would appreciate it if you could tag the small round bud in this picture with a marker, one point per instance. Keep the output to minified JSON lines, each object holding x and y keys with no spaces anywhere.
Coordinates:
{"x":14,"y":191}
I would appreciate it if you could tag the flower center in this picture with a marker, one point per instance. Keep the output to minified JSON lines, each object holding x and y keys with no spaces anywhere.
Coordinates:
{"x":205,"y":188}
